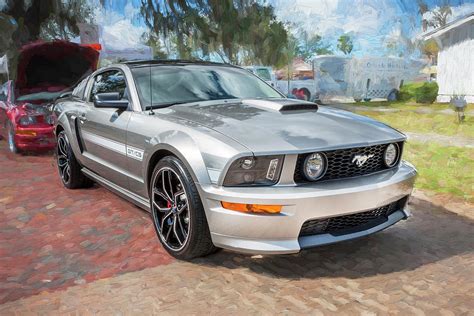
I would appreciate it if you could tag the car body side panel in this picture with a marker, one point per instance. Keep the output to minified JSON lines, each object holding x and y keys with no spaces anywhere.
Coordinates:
{"x":202,"y":150}
{"x":104,"y":133}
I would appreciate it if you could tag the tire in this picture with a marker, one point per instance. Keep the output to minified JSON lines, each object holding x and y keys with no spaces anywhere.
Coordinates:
{"x":367,"y":99}
{"x":306,"y":93}
{"x":392,"y":96}
{"x":178,"y":215}
{"x":72,"y":178}
{"x":11,"y":139}
{"x":357,"y":100}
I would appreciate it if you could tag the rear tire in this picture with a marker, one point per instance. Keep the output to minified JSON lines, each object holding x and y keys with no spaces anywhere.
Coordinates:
{"x":178,"y":214}
{"x":306,"y":93}
{"x":392,"y":96}
{"x":68,"y":167}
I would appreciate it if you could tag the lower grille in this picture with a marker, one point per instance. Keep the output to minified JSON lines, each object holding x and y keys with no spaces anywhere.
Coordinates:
{"x":347,"y":224}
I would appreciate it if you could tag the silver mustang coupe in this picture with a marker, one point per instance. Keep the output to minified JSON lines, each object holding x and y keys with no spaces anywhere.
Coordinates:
{"x":222,"y":160}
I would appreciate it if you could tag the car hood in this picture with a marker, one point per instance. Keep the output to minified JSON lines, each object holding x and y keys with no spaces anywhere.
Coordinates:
{"x":46,"y":68}
{"x":285,"y":125}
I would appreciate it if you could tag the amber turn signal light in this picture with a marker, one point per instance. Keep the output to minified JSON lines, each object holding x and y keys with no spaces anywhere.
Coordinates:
{"x":26,"y":132}
{"x":252,"y":208}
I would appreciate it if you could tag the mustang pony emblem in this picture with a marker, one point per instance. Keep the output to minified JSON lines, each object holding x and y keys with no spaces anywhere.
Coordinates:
{"x":360,"y":160}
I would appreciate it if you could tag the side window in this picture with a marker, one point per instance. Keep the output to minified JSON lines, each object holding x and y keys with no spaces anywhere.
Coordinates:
{"x":79,"y":90}
{"x":109,"y":81}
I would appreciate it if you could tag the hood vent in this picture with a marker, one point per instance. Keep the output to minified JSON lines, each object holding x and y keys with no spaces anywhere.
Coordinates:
{"x":299,"y":107}
{"x":281,"y":105}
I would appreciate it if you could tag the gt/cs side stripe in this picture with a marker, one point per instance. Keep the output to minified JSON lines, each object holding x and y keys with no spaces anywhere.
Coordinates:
{"x":134,"y":153}
{"x":105,"y":142}
{"x":118,"y":147}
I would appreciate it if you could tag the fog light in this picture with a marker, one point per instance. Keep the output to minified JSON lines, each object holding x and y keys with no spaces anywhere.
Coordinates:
{"x":252,"y":208}
{"x":314,"y":166}
{"x":391,"y":155}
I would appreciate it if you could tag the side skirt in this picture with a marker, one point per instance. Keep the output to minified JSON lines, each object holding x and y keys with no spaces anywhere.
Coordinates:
{"x":126,"y":194}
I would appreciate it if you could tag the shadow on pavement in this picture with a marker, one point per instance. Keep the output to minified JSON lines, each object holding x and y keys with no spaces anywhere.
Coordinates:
{"x":430,"y":235}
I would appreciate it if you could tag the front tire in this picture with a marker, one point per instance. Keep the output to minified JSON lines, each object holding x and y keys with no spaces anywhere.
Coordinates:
{"x":178,"y":215}
{"x":68,"y":167}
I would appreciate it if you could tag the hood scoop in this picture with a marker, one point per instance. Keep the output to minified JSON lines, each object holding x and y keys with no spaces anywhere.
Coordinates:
{"x":282,"y":105}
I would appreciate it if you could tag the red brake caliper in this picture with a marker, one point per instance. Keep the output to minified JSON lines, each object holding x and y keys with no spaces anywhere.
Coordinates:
{"x":168,"y":204}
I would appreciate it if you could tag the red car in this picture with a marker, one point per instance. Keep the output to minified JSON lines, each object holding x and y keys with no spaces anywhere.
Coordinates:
{"x":44,"y":72}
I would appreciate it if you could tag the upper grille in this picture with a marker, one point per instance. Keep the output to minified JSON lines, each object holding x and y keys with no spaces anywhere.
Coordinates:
{"x":340,"y":165}
{"x":347,"y":224}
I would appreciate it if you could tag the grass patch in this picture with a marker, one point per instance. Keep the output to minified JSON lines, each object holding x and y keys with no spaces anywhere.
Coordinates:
{"x":443,"y":169}
{"x":410,"y":106}
{"x":409,"y":121}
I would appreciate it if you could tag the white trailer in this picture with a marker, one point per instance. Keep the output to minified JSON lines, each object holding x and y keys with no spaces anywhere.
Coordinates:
{"x":358,"y":78}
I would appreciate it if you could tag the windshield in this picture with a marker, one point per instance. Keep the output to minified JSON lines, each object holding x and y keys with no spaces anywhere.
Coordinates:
{"x":192,"y":83}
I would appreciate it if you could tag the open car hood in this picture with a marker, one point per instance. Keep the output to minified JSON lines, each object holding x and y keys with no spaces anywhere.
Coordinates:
{"x":46,"y":68}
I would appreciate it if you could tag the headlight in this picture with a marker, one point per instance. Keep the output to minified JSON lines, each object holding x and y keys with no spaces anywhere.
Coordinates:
{"x":314,"y":166}
{"x":28,"y":120}
{"x":391,"y":155}
{"x":248,"y":171}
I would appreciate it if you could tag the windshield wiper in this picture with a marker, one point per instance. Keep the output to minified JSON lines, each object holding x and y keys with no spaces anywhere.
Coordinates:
{"x":165,"y":105}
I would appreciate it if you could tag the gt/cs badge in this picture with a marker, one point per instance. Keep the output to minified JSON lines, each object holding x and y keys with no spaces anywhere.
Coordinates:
{"x":360,"y":160}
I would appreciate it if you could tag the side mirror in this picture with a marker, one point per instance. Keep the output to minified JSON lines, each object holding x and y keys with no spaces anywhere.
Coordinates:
{"x":110,"y":100}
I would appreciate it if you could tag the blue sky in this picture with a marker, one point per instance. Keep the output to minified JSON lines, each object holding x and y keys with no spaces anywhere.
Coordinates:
{"x":373,"y":24}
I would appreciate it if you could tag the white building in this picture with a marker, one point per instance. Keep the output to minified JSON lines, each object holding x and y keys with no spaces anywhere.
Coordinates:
{"x":455,"y":58}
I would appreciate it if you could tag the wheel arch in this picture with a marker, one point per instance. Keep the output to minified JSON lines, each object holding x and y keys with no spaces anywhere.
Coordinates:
{"x":164,"y":150}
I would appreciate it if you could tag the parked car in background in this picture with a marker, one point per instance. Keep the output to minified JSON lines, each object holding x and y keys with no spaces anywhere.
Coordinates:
{"x":44,"y":72}
{"x":265,"y":73}
{"x":221,"y":159}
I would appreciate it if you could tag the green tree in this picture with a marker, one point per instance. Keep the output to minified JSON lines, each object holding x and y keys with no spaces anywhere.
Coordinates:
{"x":51,"y":18}
{"x":310,"y":46}
{"x":235,"y":30}
{"x":42,"y":19}
{"x":344,"y":44}
{"x":440,"y":16}
{"x":437,"y":17}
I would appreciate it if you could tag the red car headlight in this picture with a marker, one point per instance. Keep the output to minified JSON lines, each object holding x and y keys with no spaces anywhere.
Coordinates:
{"x":28,"y":120}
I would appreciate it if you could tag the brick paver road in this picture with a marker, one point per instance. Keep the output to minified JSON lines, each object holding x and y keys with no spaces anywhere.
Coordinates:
{"x":421,"y":266}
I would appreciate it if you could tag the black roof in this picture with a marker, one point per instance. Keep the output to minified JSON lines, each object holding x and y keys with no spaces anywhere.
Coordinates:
{"x":138,"y":63}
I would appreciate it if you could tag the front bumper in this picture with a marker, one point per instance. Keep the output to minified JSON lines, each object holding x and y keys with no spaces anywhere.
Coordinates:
{"x":279,"y":234}
{"x":35,"y":138}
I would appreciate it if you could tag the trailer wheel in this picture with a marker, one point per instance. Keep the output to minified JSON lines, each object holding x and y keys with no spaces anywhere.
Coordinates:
{"x":367,"y":99}
{"x":357,"y":100}
{"x":392,"y":96}
{"x":306,"y":94}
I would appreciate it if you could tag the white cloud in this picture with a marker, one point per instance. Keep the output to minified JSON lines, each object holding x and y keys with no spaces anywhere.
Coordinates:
{"x":462,"y":10}
{"x":331,"y":17}
{"x":371,"y":23}
{"x":118,"y":29}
